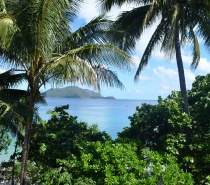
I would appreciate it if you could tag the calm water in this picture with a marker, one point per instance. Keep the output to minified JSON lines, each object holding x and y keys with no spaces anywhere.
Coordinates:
{"x":111,"y":115}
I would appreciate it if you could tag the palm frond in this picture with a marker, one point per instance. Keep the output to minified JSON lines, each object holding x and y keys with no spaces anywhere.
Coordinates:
{"x":107,"y":77}
{"x":105,"y":54}
{"x":8,"y":79}
{"x":106,"y":5}
{"x":12,"y":95}
{"x":77,"y":64}
{"x":96,"y":31}
{"x":168,"y":43}
{"x":70,"y":69}
{"x":7,"y":29}
{"x":154,"y":41}
{"x":195,"y":50}
{"x":203,"y":29}
{"x":11,"y":119}
{"x":130,"y":26}
{"x":152,"y":15}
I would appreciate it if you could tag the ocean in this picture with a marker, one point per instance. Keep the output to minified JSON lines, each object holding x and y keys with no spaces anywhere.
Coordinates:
{"x":111,"y":115}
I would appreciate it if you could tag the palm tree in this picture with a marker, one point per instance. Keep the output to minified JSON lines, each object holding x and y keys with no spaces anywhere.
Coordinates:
{"x":178,"y":21}
{"x":35,"y":37}
{"x":11,"y":102}
{"x":13,"y":107}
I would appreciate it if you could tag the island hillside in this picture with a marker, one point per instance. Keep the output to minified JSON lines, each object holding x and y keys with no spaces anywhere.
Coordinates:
{"x":73,"y":92}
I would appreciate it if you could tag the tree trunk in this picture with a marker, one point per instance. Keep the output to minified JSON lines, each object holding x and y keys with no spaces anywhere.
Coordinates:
{"x":13,"y":164}
{"x":27,"y":139}
{"x":181,"y":72}
{"x":25,"y":154}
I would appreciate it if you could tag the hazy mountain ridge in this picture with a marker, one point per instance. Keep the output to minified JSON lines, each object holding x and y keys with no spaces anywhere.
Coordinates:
{"x":74,"y":92}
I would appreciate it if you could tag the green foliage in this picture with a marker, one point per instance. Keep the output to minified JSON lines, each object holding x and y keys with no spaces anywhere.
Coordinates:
{"x":120,"y":163}
{"x":116,"y":163}
{"x":61,"y":136}
{"x":65,"y":151}
{"x":199,"y":99}
{"x":35,"y":36}
{"x":5,"y":139}
{"x":166,"y":129}
{"x":11,"y":107}
{"x":6,"y":170}
{"x":154,"y":126}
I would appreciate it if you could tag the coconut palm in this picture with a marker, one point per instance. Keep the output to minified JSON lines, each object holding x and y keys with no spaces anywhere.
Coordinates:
{"x":36,"y":37}
{"x":178,"y":22}
{"x":13,"y":108}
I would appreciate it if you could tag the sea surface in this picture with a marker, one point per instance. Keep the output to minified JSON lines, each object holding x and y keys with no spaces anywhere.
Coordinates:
{"x":111,"y":115}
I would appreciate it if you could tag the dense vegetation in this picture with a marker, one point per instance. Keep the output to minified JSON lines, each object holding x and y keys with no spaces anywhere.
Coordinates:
{"x":162,"y":145}
{"x":167,"y":143}
{"x":36,"y":39}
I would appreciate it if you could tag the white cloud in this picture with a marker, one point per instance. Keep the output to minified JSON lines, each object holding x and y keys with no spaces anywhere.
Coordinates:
{"x":169,"y":80}
{"x":145,"y":78}
{"x":186,"y":58}
{"x":88,"y":10}
{"x":165,"y":87}
{"x":91,"y":9}
{"x":162,"y":72}
{"x":2,"y":70}
{"x":204,"y":65}
{"x":189,"y":77}
{"x":136,"y":60}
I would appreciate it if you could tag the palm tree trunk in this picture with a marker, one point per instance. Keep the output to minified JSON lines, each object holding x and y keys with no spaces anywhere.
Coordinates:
{"x":181,"y":72}
{"x":25,"y":154}
{"x":13,"y":164}
{"x":27,"y":141}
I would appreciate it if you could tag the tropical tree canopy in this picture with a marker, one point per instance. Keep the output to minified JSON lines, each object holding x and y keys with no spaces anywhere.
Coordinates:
{"x":37,"y":33}
{"x":36,"y":37}
{"x":163,"y":127}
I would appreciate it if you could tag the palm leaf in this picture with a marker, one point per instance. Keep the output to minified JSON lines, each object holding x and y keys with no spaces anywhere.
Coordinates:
{"x":12,"y":95}
{"x":130,"y":24}
{"x":96,"y":31}
{"x":107,"y":77}
{"x":7,"y":29}
{"x":154,"y":41}
{"x":11,"y":119}
{"x":203,"y":28}
{"x":70,"y":70}
{"x":105,"y":54}
{"x":196,"y":49}
{"x":8,"y":79}
{"x":107,"y":4}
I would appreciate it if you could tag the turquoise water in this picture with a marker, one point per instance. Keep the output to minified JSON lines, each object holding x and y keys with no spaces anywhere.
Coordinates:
{"x":111,"y":115}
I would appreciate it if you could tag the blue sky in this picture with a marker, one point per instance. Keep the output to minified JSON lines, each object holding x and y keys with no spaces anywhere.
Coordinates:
{"x":160,"y":77}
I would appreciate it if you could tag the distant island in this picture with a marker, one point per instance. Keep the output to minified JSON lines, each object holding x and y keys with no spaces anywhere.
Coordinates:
{"x":74,"y":92}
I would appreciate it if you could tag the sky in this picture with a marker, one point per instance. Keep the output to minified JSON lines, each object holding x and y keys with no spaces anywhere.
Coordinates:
{"x":160,"y":77}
